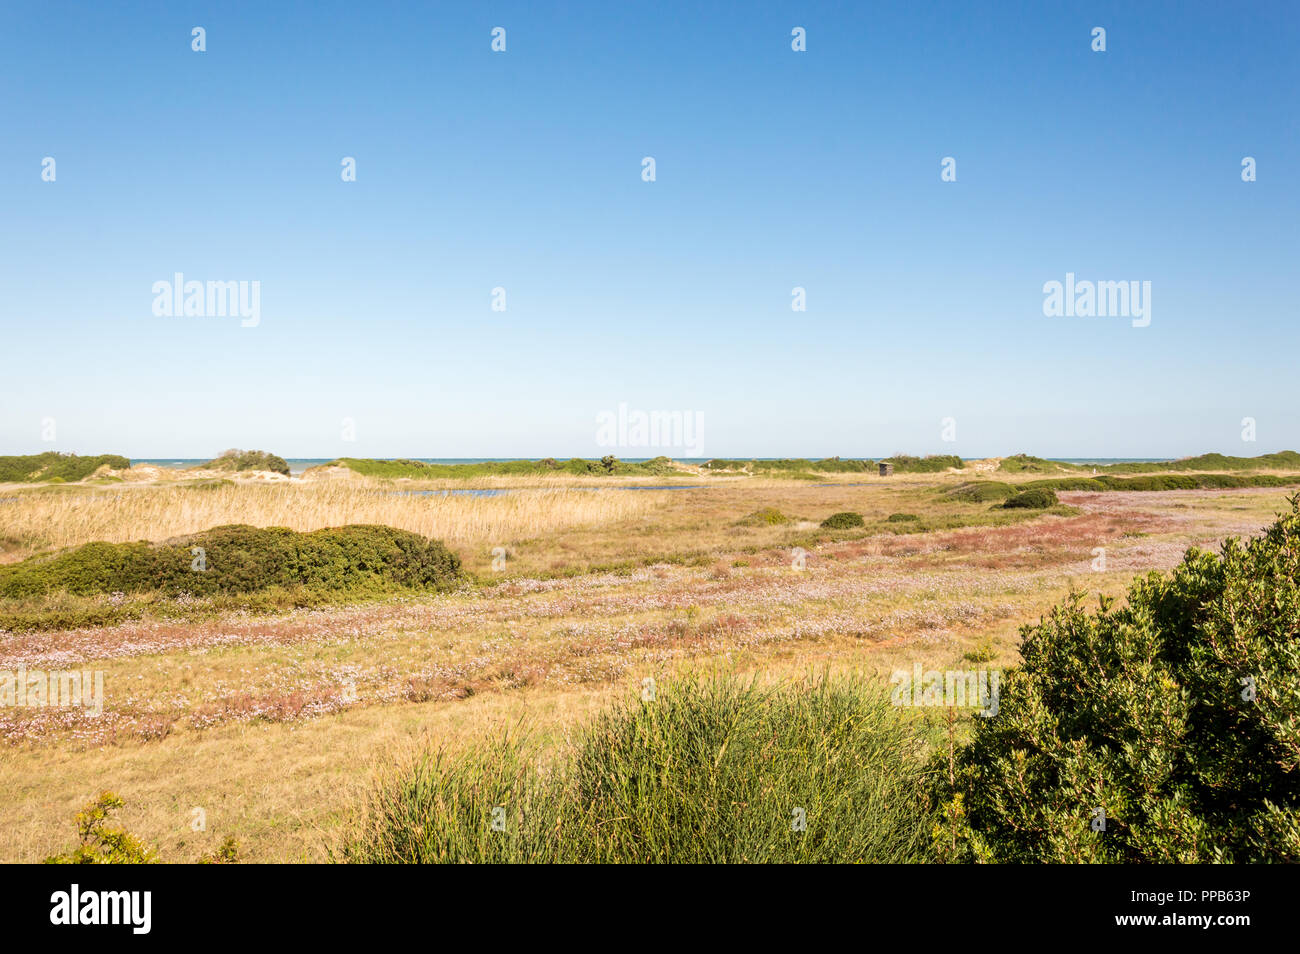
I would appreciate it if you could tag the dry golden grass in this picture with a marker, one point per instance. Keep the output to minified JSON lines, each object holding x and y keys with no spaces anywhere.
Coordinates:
{"x":41,"y":520}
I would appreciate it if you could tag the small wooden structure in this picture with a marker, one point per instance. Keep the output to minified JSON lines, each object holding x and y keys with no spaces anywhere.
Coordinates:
{"x":886,"y":468}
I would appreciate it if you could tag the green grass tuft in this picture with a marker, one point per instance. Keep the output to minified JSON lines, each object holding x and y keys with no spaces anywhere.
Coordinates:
{"x":713,"y":771}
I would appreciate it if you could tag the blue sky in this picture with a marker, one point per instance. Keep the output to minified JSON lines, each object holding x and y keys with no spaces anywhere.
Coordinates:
{"x":774,"y":169}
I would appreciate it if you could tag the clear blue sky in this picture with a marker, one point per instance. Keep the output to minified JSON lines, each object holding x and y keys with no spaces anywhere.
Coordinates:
{"x":775,"y":169}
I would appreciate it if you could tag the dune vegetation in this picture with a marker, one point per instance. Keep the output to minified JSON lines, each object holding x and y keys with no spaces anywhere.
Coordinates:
{"x":546,"y":467}
{"x":241,"y":460}
{"x":52,"y":466}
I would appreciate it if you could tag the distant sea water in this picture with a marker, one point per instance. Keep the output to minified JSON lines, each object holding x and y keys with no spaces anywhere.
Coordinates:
{"x":298,"y":464}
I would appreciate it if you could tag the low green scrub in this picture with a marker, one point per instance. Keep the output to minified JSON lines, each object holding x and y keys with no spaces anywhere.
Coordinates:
{"x":1026,"y":464}
{"x":716,"y":771}
{"x":984,"y":491}
{"x":1165,"y":729}
{"x":1162,"y":482}
{"x":981,"y":491}
{"x":937,"y":463}
{"x":420,"y":470}
{"x":52,"y":466}
{"x":844,"y":520}
{"x":240,"y":560}
{"x":792,"y":466}
{"x":1283,"y":460}
{"x":902,"y":518}
{"x":1037,"y":499}
{"x":240,"y":460}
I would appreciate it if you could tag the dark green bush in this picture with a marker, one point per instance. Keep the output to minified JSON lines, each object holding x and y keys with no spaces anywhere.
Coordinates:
{"x":702,"y":772}
{"x":56,"y":466}
{"x":843,"y":521}
{"x":241,"y":559}
{"x":239,"y":460}
{"x":902,"y":518}
{"x":1175,"y":716}
{"x":1037,"y":499}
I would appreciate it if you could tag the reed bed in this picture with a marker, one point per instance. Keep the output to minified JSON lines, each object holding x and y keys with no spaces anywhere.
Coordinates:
{"x":32,"y":522}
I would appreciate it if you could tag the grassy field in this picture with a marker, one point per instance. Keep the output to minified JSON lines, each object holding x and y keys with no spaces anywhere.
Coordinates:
{"x":277,"y":724}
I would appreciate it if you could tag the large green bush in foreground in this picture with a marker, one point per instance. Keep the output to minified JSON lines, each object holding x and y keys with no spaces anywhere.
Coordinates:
{"x":709,"y":771}
{"x":1177,"y":716}
{"x":241,"y":559}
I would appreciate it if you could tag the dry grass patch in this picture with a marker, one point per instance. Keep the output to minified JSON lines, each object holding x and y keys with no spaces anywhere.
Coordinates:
{"x":39,"y":520}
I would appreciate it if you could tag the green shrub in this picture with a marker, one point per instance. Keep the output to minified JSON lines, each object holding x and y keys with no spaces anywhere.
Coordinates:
{"x":1176,"y":714}
{"x":226,"y":854}
{"x":242,"y":559}
{"x":1037,"y":499}
{"x":843,"y":521}
{"x":100,"y":844}
{"x":902,"y":518}
{"x":765,"y":517}
{"x":704,"y":772}
{"x":239,"y":460}
{"x":54,"y":466}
